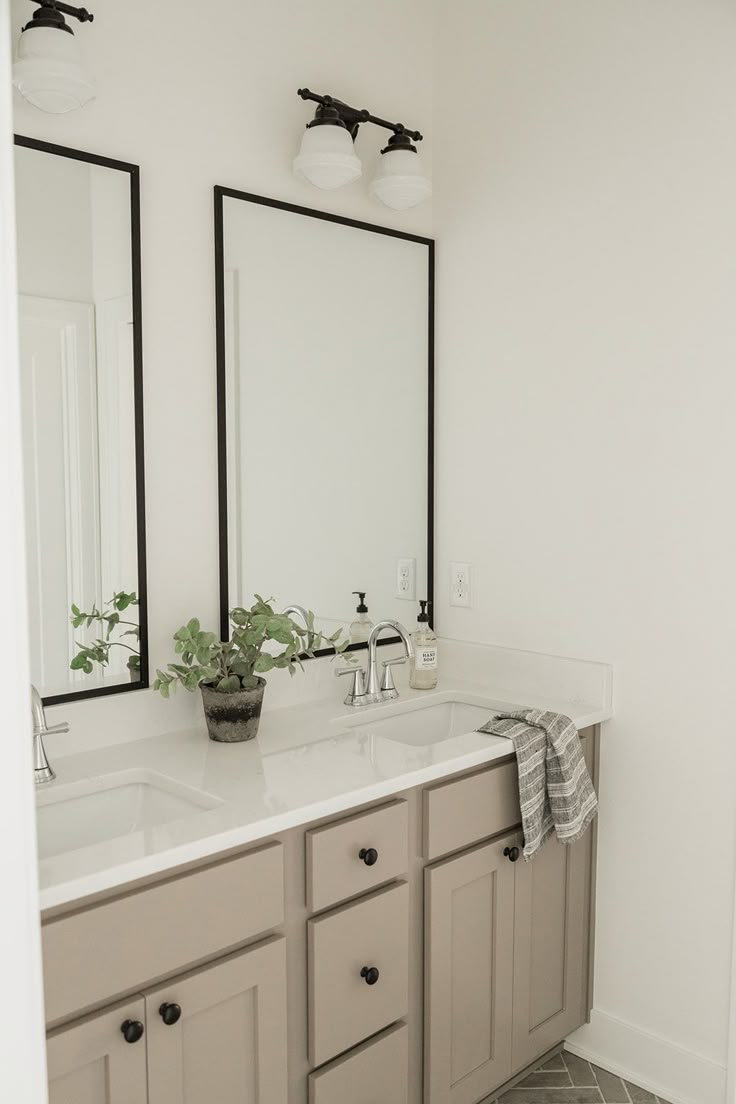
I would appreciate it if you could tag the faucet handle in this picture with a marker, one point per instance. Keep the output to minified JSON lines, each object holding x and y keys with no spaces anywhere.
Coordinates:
{"x":388,"y":687}
{"x":63,"y":726}
{"x":357,"y":694}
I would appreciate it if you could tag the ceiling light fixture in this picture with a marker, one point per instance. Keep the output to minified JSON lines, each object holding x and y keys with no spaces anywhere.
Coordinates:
{"x":327,"y":158}
{"x":48,"y":70}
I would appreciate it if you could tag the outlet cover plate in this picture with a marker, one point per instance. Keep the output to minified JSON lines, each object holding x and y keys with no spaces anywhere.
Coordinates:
{"x":459,"y":584}
{"x":406,"y":578}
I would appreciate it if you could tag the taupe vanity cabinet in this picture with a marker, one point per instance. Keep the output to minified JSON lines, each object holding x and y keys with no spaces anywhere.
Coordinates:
{"x":470,"y":975}
{"x":507,"y":942}
{"x":399,"y":954}
{"x":215,"y":1034}
{"x":91,"y":1063}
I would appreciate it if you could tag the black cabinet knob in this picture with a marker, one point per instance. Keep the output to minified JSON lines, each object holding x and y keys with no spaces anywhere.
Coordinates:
{"x":369,"y":855}
{"x":370,"y":974}
{"x":170,"y":1013}
{"x":511,"y":853}
{"x":132,"y":1030}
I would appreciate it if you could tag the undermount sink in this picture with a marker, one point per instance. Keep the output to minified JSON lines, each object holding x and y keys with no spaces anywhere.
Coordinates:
{"x":81,"y":814}
{"x":420,"y":725}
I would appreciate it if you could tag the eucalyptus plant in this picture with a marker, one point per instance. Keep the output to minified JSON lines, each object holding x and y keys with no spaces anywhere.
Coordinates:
{"x":228,"y":666}
{"x":111,"y":623}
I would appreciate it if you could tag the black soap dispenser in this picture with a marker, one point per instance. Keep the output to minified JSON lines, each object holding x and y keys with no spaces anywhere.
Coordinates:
{"x":360,"y":628}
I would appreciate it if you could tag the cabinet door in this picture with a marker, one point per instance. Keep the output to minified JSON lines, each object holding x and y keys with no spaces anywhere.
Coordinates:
{"x":91,"y":1063}
{"x":228,"y":1044}
{"x":469,"y":910}
{"x":550,"y":947}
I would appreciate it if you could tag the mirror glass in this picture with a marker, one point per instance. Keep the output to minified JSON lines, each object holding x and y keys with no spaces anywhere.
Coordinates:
{"x":78,"y":247}
{"x":324,"y":340}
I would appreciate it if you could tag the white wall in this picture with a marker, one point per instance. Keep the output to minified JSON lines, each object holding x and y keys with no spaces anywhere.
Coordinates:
{"x":52,"y":199}
{"x":204,"y":99}
{"x":584,"y":204}
{"x":22,"y":1049}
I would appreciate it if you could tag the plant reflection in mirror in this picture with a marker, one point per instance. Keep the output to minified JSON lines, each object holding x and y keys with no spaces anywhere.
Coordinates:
{"x":111,"y":624}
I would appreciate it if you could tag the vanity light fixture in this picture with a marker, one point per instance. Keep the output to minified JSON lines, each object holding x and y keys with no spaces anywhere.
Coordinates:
{"x":327,"y":158}
{"x":48,"y":70}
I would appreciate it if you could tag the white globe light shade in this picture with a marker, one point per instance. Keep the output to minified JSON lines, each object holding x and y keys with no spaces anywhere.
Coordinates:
{"x":48,"y":71}
{"x":327,"y":158}
{"x":401,"y":181}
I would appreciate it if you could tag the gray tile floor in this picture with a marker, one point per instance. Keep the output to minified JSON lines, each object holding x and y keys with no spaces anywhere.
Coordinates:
{"x":566,"y":1079}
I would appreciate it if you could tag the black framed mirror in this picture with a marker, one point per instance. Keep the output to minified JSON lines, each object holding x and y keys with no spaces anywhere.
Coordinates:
{"x":325,"y":385}
{"x":81,"y":354}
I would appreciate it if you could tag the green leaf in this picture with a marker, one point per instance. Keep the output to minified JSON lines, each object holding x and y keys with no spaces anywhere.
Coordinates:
{"x":228,"y":685}
{"x":193,"y":626}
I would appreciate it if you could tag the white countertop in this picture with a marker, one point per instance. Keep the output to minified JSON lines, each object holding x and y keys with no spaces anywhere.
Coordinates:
{"x":306,"y":763}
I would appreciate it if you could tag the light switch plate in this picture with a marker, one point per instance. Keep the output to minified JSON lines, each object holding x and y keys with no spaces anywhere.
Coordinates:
{"x":459,"y":584}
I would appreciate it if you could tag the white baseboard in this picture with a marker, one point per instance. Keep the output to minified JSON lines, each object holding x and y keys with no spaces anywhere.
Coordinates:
{"x":668,"y":1071}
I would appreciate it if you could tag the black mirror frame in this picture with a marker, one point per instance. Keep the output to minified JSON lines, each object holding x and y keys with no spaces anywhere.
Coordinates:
{"x":135,"y":248}
{"x":220,"y":193}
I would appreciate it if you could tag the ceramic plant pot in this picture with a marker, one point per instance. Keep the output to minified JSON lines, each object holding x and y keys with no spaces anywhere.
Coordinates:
{"x":232,"y":718}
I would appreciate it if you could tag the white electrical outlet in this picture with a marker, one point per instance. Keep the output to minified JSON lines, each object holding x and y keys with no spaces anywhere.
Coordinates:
{"x":406,"y":578}
{"x":459,"y":584}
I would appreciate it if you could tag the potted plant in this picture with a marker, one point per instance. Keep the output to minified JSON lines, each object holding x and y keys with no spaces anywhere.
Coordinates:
{"x":112,"y":624}
{"x":229,"y":673}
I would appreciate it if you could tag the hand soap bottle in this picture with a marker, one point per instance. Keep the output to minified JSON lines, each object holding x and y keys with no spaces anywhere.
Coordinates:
{"x":423,"y":673}
{"x":360,"y":628}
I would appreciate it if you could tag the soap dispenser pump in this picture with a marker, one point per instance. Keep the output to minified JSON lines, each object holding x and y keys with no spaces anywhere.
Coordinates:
{"x":423,"y":672}
{"x":360,"y":628}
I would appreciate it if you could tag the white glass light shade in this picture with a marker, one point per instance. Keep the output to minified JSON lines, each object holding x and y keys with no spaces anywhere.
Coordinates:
{"x":48,"y":71}
{"x":327,"y":158}
{"x":400,"y":182}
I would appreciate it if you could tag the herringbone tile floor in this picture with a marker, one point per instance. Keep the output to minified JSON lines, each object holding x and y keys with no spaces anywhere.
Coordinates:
{"x":566,"y":1079}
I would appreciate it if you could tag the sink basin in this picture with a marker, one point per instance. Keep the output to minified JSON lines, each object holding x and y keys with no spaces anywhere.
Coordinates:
{"x":82,"y":814}
{"x":421,"y":725}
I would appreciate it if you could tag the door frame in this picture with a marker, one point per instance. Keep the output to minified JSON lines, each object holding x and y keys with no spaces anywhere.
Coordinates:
{"x":731,"y":1059}
{"x":22,"y":1049}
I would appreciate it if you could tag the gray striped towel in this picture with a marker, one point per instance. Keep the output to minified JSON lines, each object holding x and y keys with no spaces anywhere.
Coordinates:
{"x":555,"y":790}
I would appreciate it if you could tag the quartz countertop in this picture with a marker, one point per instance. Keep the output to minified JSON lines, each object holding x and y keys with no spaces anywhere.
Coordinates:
{"x":308,"y":761}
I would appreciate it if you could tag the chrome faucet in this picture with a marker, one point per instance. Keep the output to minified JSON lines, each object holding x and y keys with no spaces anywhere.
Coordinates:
{"x":42,"y":770}
{"x":386,"y":691}
{"x":366,"y":689}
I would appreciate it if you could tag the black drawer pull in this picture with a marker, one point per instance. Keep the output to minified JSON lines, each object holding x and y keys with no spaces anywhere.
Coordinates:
{"x":369,"y":855}
{"x":370,"y":974}
{"x":132,"y":1030}
{"x":170,"y":1013}
{"x":511,"y":853}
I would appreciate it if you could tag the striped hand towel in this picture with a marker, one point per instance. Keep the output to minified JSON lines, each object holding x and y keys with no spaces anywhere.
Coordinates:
{"x":555,"y":790}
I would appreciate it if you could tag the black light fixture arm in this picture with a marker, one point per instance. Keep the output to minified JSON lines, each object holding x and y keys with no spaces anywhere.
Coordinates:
{"x":353,"y":116}
{"x":56,"y":5}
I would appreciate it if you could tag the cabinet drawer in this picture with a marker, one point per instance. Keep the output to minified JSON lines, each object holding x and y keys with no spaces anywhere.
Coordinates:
{"x":343,"y":1008}
{"x":375,"y":1071}
{"x":91,"y":956}
{"x":335,"y":870}
{"x":457,"y":814}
